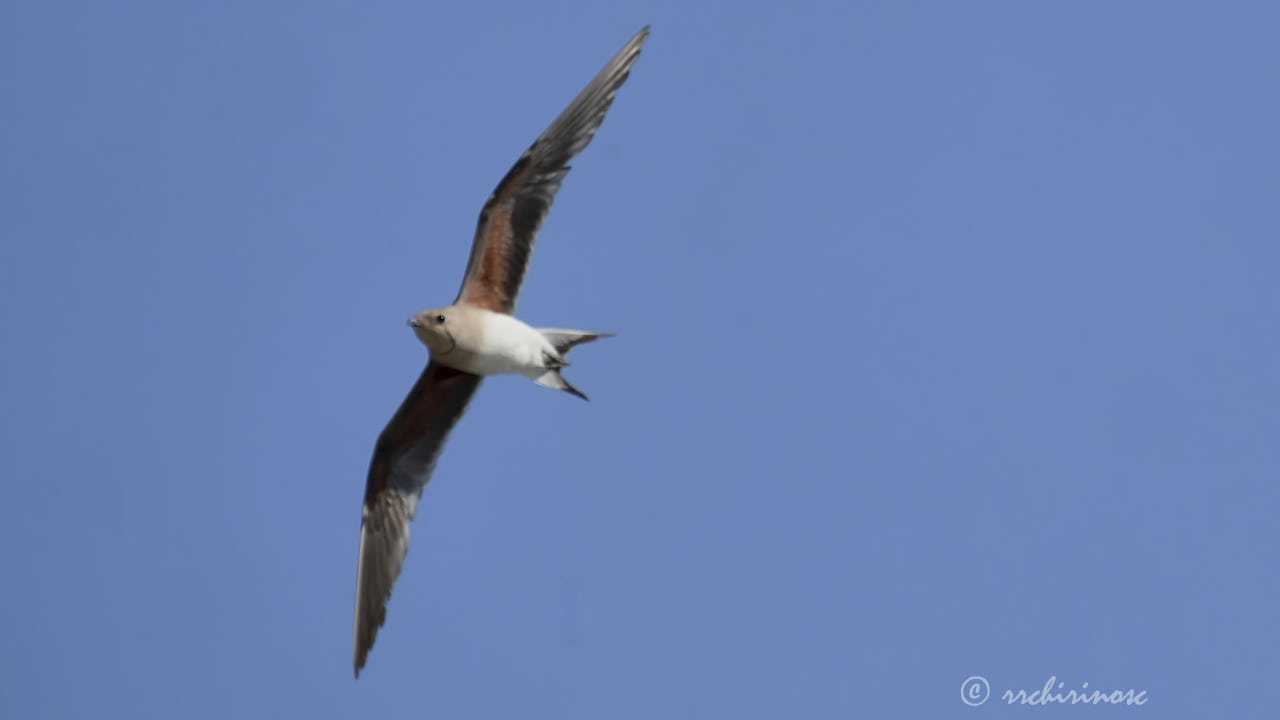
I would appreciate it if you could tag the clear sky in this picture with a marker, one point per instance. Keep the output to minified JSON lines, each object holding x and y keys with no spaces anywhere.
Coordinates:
{"x":949,"y":346}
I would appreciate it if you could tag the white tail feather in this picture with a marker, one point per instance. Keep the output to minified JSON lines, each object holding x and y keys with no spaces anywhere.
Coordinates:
{"x":554,"y":380}
{"x":564,"y":340}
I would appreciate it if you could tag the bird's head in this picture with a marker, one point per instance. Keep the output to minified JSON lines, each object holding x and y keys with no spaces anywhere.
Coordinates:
{"x":432,"y":328}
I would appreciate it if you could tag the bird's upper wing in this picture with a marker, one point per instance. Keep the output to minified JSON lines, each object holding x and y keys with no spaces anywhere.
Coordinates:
{"x":402,"y":462}
{"x":510,"y":219}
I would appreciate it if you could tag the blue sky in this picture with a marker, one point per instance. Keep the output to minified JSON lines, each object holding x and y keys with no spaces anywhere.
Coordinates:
{"x":948,"y":346}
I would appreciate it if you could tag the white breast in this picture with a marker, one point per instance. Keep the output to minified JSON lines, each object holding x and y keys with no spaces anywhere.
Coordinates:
{"x":507,"y":346}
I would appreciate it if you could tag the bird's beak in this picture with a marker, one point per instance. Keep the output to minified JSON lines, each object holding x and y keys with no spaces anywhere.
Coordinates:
{"x":413,"y":322}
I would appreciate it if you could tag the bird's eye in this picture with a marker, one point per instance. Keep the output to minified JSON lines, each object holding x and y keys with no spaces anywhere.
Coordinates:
{"x":440,"y":319}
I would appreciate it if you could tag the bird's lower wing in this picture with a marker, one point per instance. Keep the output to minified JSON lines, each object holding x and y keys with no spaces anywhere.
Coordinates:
{"x":403,"y":459}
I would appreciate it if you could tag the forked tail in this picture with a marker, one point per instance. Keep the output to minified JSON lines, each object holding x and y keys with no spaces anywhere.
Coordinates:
{"x":563,"y":341}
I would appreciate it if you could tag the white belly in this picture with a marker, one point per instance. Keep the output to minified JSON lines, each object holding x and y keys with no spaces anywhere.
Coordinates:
{"x":506,"y":345}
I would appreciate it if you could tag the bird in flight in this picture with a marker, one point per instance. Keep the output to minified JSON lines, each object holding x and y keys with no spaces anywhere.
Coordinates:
{"x":477,"y":335}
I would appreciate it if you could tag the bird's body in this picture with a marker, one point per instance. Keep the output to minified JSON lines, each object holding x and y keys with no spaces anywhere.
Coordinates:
{"x":480,"y":341}
{"x":507,"y":346}
{"x":483,"y":342}
{"x":475,"y":336}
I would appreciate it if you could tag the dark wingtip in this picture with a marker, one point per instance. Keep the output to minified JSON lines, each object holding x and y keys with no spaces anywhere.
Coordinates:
{"x":362,"y":655}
